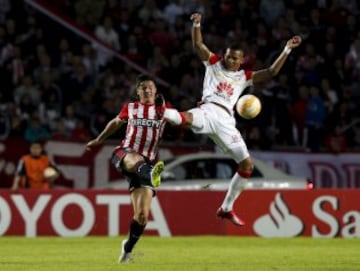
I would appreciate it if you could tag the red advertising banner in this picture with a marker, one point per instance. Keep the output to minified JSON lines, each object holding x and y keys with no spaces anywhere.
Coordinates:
{"x":267,"y":213}
{"x":83,"y":169}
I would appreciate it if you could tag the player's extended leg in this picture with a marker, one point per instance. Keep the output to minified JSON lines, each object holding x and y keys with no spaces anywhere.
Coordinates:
{"x":148,"y":174}
{"x":236,"y":186}
{"x":141,"y":201}
{"x":229,"y":139}
{"x":174,"y":117}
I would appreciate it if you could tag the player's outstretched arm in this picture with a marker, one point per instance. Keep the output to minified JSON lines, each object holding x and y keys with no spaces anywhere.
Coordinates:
{"x":266,"y":74}
{"x":110,"y":128}
{"x":197,"y":40}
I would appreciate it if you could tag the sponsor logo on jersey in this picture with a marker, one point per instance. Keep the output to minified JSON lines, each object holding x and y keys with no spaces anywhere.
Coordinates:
{"x":146,"y":123}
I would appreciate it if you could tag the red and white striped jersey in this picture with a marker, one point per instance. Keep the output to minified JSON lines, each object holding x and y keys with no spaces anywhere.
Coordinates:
{"x":144,"y":130}
{"x":223,"y":86}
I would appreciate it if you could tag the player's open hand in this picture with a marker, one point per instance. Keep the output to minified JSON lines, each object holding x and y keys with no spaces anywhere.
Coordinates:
{"x":294,"y":42}
{"x":92,"y":143}
{"x":196,"y":18}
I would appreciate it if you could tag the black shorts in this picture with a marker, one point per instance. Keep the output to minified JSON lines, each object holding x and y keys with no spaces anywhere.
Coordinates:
{"x":133,"y":180}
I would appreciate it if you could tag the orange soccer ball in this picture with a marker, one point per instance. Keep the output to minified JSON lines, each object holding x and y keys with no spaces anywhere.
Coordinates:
{"x":248,"y":106}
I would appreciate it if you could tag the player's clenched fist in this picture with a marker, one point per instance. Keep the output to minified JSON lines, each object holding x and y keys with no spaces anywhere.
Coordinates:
{"x":293,"y":42}
{"x":195,"y":17}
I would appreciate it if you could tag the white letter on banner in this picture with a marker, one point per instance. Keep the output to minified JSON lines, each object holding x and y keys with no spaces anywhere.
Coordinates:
{"x":87,"y":210}
{"x":5,"y":216}
{"x":353,"y":228}
{"x":325,"y":217}
{"x":30,"y":216}
{"x":114,"y":202}
{"x":159,"y":222}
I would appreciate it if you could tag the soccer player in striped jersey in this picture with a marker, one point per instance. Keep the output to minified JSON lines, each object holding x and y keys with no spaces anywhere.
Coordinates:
{"x":223,"y":84}
{"x":135,"y":156}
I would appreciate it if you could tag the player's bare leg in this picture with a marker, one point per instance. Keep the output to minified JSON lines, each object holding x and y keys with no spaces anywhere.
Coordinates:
{"x":236,"y":186}
{"x":141,"y":200}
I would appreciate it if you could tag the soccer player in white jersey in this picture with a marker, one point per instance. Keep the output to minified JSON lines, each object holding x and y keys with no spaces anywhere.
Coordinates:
{"x":136,"y":154}
{"x":224,"y":82}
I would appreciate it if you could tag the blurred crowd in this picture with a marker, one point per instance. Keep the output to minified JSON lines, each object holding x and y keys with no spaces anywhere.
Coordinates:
{"x":56,"y":84}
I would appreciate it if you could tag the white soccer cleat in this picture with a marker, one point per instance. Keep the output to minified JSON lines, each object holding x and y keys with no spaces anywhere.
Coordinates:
{"x":124,"y":257}
{"x":156,"y":173}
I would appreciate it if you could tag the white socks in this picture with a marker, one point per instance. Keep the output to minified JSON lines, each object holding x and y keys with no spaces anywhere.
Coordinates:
{"x":236,"y":186}
{"x":173,"y":116}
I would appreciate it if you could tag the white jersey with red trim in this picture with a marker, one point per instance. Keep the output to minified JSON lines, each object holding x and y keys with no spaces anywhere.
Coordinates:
{"x":144,"y":130}
{"x":223,"y":86}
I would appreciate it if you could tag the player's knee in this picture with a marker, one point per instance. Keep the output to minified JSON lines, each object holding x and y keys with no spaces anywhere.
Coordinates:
{"x":141,"y":218}
{"x":195,"y":120}
{"x":131,"y":161}
{"x":245,"y":168}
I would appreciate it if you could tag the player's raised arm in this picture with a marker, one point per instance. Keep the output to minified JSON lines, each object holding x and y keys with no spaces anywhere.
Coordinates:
{"x":197,"y":41}
{"x":266,"y":74}
{"x":110,"y":128}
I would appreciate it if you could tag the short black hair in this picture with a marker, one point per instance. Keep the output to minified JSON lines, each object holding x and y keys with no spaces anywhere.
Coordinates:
{"x":236,"y":46}
{"x":36,"y":142}
{"x":143,"y":77}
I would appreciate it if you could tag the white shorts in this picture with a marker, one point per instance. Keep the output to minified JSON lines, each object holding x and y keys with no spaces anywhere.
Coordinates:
{"x":220,"y":126}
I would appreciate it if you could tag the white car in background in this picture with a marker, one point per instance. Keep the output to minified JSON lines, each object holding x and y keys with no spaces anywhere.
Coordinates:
{"x":208,"y":170}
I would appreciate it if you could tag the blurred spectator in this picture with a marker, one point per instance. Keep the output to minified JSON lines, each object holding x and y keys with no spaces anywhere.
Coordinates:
{"x":90,"y":61}
{"x":80,"y":133}
{"x":35,"y":131}
{"x":330,"y":95}
{"x":69,"y":119}
{"x":84,"y":108}
{"x":336,"y":142}
{"x":314,"y":121}
{"x":59,"y":132}
{"x":352,"y":58}
{"x":5,"y":6}
{"x":26,"y":106}
{"x":108,"y":36}
{"x":16,"y":65}
{"x":75,"y":83}
{"x":17,"y":122}
{"x":5,"y":126}
{"x":44,"y":67}
{"x":88,"y":12}
{"x":27,"y":88}
{"x":157,"y":62}
{"x":354,"y":143}
{"x":149,"y":11}
{"x":171,"y":11}
{"x":156,"y":36}
{"x":298,"y":115}
{"x":159,"y":35}
{"x":270,"y":10}
{"x":31,"y":167}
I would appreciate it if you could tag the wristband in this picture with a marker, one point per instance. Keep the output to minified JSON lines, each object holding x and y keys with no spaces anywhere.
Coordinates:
{"x":287,"y":50}
{"x":196,"y":24}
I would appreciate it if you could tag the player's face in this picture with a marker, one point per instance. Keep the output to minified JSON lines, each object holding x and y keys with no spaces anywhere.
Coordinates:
{"x":146,"y":91}
{"x":36,"y":150}
{"x":233,"y":59}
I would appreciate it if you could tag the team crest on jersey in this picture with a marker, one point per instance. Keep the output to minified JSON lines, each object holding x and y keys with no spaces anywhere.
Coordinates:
{"x":146,"y":123}
{"x":224,"y":89}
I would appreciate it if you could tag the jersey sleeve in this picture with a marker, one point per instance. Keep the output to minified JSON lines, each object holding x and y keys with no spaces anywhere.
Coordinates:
{"x":248,"y":74}
{"x":212,"y":60}
{"x":124,"y":112}
{"x":20,"y":169}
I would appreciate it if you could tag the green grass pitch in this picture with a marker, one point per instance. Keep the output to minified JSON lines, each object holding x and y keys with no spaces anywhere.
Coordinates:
{"x":205,"y":253}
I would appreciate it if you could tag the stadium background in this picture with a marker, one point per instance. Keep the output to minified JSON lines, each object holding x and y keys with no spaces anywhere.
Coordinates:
{"x":61,"y":81}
